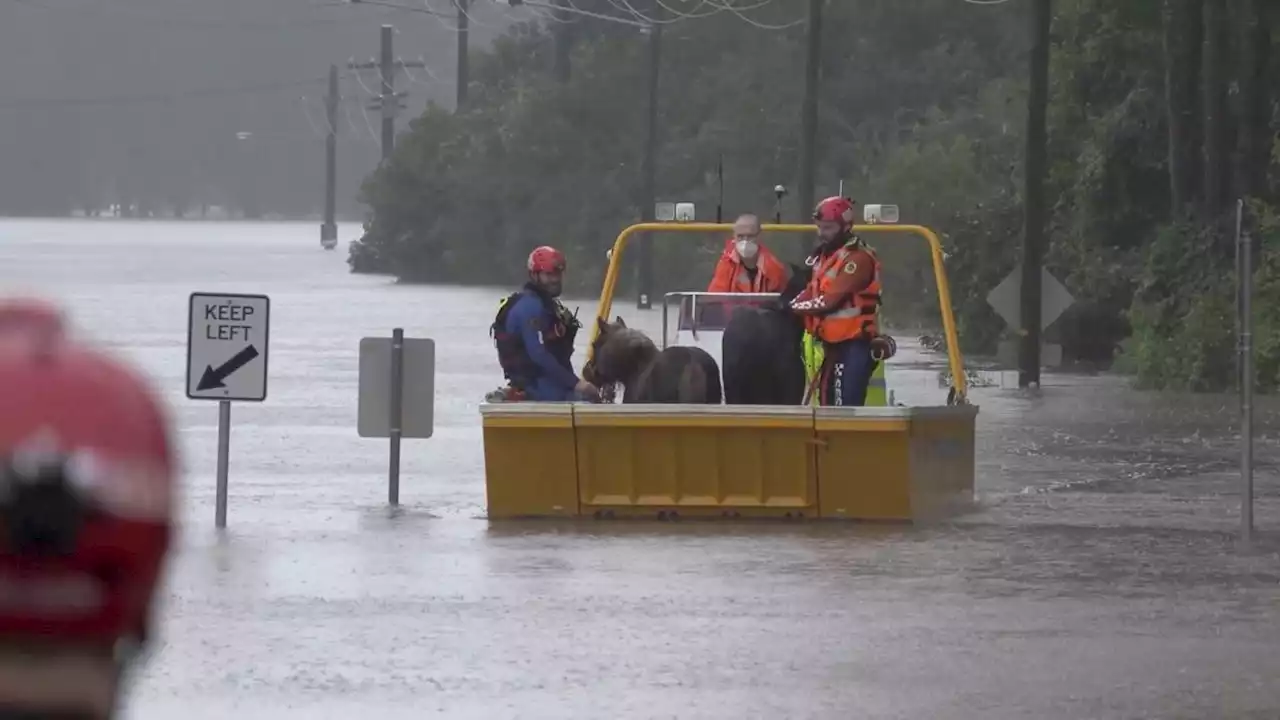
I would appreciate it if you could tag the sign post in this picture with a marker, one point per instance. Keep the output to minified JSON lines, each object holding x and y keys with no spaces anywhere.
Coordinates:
{"x":224,"y":454}
{"x":395,"y":415}
{"x":396,"y":395}
{"x":227,"y":343}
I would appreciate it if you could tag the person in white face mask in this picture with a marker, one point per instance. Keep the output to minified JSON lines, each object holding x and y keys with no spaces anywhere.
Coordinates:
{"x":746,"y":266}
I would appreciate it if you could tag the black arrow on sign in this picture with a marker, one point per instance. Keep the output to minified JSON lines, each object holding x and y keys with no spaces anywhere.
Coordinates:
{"x":213,"y":378}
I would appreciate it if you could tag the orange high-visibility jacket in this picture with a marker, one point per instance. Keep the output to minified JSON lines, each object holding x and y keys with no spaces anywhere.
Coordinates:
{"x":856,"y":318}
{"x":731,"y":275}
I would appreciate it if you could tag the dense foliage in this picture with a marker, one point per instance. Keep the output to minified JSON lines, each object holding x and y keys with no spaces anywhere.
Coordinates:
{"x":922,"y":104}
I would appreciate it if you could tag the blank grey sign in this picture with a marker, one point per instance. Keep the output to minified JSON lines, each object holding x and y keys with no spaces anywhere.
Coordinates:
{"x":419,"y":388}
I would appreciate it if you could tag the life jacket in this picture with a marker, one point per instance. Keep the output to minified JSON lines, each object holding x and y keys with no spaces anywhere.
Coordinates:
{"x":517,"y":367}
{"x":731,"y":274}
{"x":856,"y":318}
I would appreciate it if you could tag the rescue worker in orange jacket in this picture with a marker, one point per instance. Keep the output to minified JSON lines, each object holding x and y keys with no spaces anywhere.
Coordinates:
{"x":841,"y":305}
{"x":747,"y":266}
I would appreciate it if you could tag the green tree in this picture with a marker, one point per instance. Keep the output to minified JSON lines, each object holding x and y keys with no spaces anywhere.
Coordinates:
{"x":923,"y":104}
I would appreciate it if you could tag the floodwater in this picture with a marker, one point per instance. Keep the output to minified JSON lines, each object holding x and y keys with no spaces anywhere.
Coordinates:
{"x":1099,"y":579}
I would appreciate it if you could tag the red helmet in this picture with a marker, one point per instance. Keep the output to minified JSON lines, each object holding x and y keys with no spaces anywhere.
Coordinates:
{"x":29,"y":314}
{"x":835,"y":209}
{"x":546,"y":259}
{"x":86,"y":487}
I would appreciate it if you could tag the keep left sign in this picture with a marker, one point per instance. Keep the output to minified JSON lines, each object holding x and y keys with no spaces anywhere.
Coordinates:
{"x":227,"y":341}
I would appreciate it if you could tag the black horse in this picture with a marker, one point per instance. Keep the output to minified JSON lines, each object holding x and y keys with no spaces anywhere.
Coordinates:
{"x":763,"y":350}
{"x":675,"y":375}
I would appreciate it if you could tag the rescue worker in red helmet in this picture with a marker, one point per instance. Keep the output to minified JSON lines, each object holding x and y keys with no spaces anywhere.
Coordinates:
{"x":840,"y":306}
{"x":86,"y":517}
{"x":534,"y":335}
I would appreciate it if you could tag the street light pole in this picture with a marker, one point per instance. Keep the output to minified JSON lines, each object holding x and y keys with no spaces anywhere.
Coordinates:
{"x":248,"y":196}
{"x":649,"y":172}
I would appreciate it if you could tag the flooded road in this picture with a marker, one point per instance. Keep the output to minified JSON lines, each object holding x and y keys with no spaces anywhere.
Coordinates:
{"x":1098,"y":580}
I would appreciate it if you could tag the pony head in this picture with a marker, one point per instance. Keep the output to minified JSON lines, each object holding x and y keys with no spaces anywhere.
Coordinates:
{"x":617,"y":353}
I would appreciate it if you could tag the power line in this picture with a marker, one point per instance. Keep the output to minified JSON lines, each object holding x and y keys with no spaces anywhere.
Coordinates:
{"x":573,"y":9}
{"x":717,"y":7}
{"x":116,"y":11}
{"x":739,"y":12}
{"x":381,"y":3}
{"x":315,"y":129}
{"x":629,"y":9}
{"x":152,"y":98}
{"x":470,"y":14}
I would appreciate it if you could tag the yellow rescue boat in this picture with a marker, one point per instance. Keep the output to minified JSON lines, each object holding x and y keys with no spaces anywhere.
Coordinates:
{"x":887,"y":463}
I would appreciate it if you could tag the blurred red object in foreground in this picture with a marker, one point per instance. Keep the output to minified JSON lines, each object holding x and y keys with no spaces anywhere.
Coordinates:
{"x":87,"y":475}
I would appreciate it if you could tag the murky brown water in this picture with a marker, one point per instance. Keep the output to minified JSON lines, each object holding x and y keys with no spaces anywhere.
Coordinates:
{"x":1100,"y":579}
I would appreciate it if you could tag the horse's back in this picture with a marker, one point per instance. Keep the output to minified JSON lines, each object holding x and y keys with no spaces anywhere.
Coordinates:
{"x":682,"y":375}
{"x":712,"y":393}
{"x":762,"y":361}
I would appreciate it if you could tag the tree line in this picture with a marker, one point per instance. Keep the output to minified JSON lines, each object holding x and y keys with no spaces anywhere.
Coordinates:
{"x":1160,"y":115}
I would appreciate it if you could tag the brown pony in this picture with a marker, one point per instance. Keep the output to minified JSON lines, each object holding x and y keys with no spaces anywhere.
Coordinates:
{"x":675,"y":375}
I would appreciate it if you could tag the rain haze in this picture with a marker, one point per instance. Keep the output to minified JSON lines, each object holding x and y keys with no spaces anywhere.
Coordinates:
{"x":153,"y":149}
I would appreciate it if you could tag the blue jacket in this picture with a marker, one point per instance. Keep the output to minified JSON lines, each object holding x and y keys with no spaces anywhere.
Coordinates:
{"x":532,"y":320}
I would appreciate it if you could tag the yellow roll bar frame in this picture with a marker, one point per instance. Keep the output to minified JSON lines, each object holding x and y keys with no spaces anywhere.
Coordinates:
{"x":959,"y":381}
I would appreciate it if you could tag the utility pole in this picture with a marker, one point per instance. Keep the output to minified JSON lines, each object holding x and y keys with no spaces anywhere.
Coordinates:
{"x":329,"y":230}
{"x":1244,"y":368}
{"x":388,"y":101}
{"x":649,"y":171}
{"x":809,"y":112}
{"x":720,"y":189}
{"x":463,"y":64}
{"x":1033,"y":232}
{"x":564,"y":36}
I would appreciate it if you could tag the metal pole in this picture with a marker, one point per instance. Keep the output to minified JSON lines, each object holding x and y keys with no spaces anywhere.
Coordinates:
{"x":397,"y":414}
{"x":463,"y":68}
{"x":1034,"y":208}
{"x":809,"y":109}
{"x":564,"y":35}
{"x":329,"y":231}
{"x":224,"y":455}
{"x":649,"y":184}
{"x":1244,"y":245}
{"x":720,"y":183}
{"x":386,"y":67}
{"x":665,"y":305}
{"x":1239,"y":270}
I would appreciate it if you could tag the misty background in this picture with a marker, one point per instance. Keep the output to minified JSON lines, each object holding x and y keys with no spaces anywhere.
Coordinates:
{"x":145,"y":103}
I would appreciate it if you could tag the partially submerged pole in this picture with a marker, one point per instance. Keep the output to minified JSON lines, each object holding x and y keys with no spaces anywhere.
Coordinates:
{"x":1244,"y":267}
{"x":1034,"y":206}
{"x":396,"y":415}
